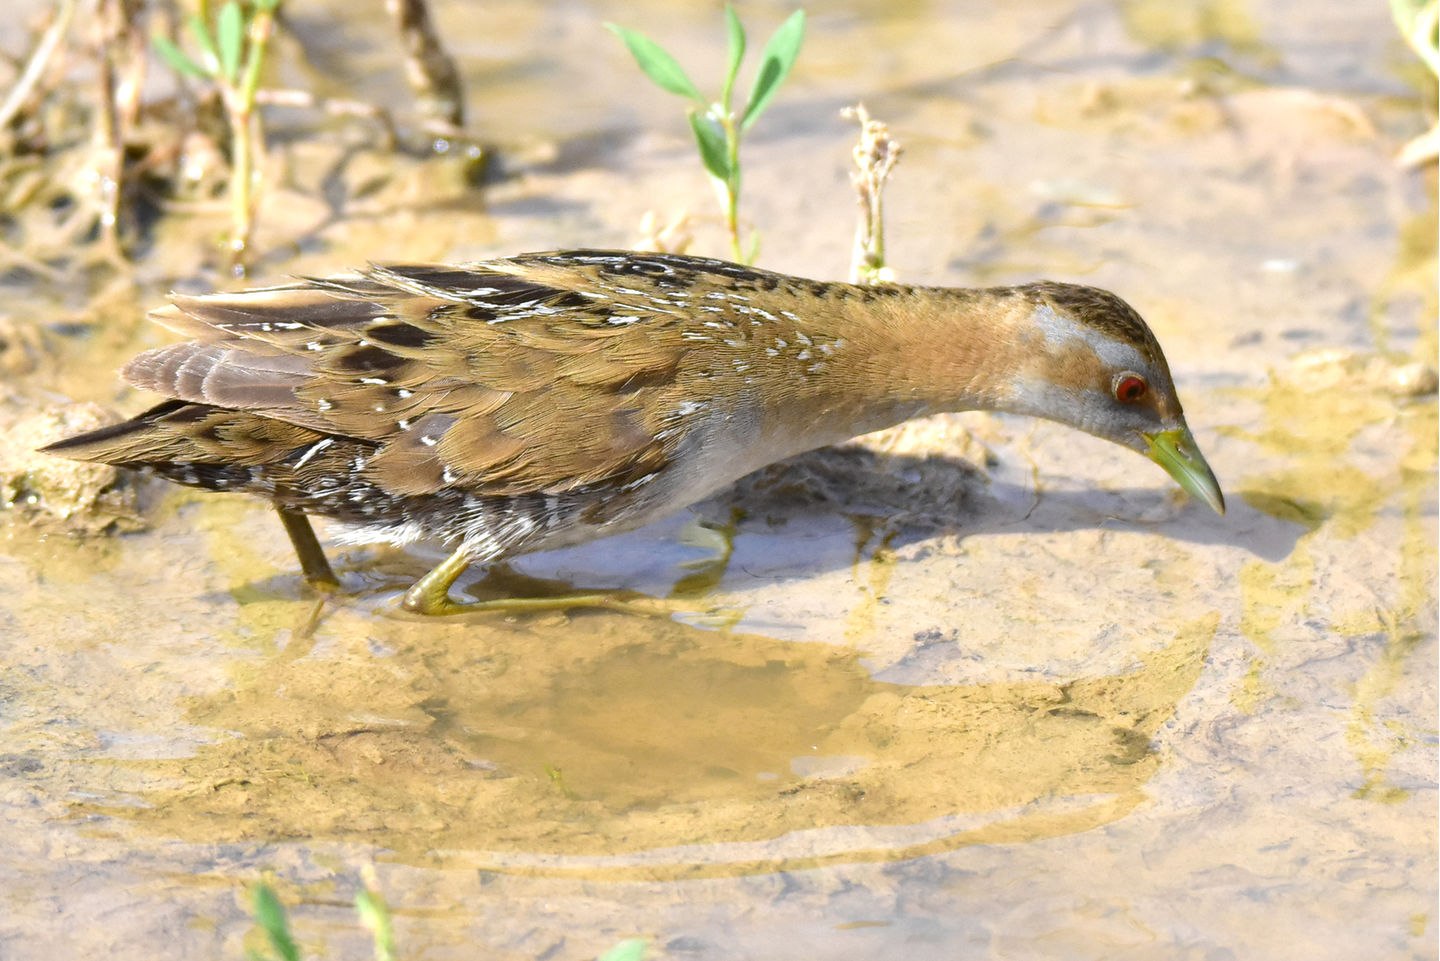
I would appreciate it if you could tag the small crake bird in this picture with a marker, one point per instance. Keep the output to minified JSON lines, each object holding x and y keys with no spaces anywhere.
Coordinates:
{"x":548,"y":399}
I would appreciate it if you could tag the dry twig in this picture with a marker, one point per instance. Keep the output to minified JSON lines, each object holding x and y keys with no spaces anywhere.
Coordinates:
{"x":431,"y":70}
{"x":875,"y":157}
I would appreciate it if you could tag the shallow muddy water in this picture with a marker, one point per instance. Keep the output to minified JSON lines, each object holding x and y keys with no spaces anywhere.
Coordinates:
{"x":992,"y":689}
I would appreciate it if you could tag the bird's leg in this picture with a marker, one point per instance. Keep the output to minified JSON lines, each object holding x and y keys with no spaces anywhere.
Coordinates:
{"x":431,"y":595}
{"x":312,"y":557}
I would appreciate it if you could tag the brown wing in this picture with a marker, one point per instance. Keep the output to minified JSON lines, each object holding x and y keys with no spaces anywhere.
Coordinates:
{"x":185,"y":435}
{"x":505,"y":377}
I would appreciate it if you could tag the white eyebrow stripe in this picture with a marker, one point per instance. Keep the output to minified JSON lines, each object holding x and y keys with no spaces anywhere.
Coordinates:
{"x":1112,"y":352}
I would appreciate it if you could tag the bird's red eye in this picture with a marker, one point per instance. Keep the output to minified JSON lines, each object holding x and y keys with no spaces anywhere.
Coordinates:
{"x":1129,"y":388}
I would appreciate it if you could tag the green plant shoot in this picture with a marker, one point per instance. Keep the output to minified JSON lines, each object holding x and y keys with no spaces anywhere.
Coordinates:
{"x":270,"y":917}
{"x":272,"y":920}
{"x":231,"y":54}
{"x":631,"y":949}
{"x":374,"y":915}
{"x":1419,"y":24}
{"x":717,"y":126}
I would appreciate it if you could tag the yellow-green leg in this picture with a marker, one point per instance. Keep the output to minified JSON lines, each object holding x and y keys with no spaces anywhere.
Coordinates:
{"x":312,"y":557}
{"x":430,"y":595}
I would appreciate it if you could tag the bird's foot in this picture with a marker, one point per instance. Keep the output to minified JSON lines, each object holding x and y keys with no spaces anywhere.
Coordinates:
{"x":431,"y":596}
{"x":419,"y":601}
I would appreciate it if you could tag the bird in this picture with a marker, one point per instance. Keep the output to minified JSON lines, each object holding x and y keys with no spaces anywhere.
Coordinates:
{"x":526,"y":403}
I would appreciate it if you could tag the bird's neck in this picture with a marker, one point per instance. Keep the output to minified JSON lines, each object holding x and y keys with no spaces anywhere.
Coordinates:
{"x":879,"y":356}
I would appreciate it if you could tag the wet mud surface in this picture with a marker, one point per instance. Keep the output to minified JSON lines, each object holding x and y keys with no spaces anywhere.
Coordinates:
{"x":984,"y":687}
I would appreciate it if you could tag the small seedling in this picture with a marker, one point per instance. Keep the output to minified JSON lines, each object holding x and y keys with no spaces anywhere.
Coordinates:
{"x":271,"y":919}
{"x":374,"y":915}
{"x":231,"y":54}
{"x":718,"y":128}
{"x":631,"y":949}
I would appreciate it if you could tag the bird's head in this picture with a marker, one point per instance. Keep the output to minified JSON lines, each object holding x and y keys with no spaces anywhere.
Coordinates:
{"x":1091,"y":362}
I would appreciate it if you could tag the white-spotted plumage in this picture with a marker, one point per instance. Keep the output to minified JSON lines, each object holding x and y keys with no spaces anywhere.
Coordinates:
{"x":542,"y":400}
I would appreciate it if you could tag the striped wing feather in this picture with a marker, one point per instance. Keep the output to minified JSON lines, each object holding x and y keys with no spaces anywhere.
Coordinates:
{"x":505,"y":377}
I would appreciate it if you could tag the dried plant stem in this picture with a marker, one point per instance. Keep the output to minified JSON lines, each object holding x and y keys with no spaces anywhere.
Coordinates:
{"x":108,"y":158}
{"x":121,"y":56}
{"x":875,"y":157}
{"x":431,"y":70}
{"x":39,"y":60}
{"x":13,"y":258}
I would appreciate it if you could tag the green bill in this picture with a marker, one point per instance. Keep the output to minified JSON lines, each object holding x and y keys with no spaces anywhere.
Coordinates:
{"x":1175,"y":450}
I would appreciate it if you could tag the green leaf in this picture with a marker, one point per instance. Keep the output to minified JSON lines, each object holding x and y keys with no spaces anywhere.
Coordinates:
{"x":711,"y":140}
{"x":736,"y":33}
{"x":230,"y":32}
{"x":206,"y":40}
{"x":775,"y":63}
{"x":1406,"y":12}
{"x":375,"y":916}
{"x":631,"y":949}
{"x":176,"y":58}
{"x":1416,"y":20}
{"x":270,"y":915}
{"x":658,"y":65}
